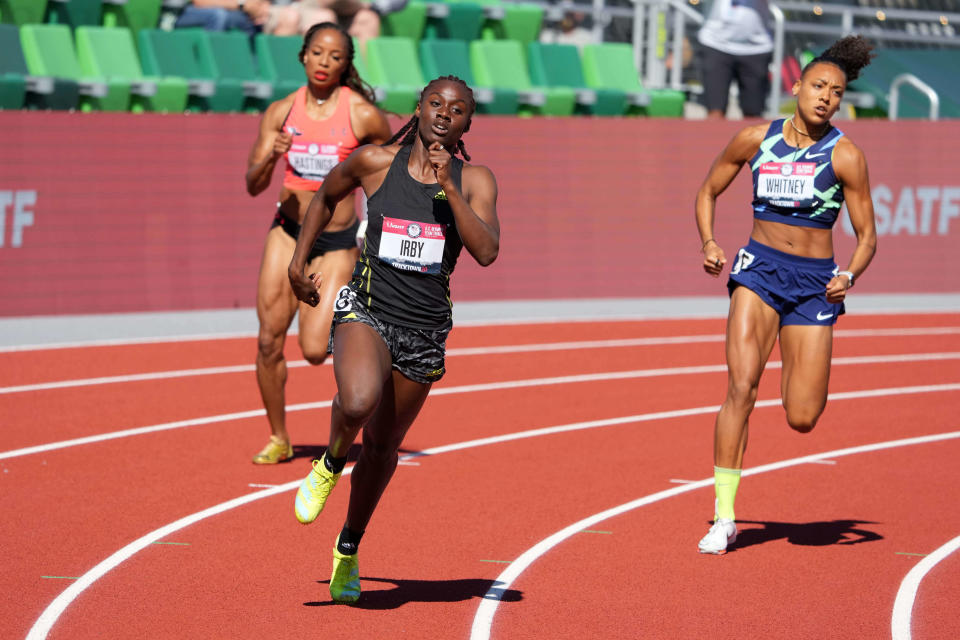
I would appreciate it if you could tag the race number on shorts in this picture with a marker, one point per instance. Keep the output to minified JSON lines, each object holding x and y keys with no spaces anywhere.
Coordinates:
{"x":344,"y":300}
{"x":744,"y":260}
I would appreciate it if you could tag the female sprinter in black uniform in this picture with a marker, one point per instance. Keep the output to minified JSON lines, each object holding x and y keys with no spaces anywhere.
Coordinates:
{"x":392,"y":320}
{"x":314,"y":127}
{"x":785,"y":280}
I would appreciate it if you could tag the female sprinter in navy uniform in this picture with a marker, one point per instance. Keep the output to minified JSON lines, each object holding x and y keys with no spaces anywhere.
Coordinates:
{"x":314,"y":128}
{"x":392,"y":320}
{"x":785,"y":281}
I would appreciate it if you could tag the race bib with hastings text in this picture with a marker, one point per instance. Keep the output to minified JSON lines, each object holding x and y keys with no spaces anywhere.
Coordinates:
{"x":313,"y":161}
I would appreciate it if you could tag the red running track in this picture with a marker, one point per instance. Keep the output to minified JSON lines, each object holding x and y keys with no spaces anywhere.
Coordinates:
{"x":823,"y":549}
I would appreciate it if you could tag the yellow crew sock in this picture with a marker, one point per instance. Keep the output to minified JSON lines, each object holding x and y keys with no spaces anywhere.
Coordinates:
{"x":725,"y":483}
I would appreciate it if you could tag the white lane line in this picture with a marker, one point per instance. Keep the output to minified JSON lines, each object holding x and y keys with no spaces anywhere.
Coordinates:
{"x":441,"y":391}
{"x":115,"y":342}
{"x":483,"y":619}
{"x":123,"y":342}
{"x":139,"y":431}
{"x":640,"y":373}
{"x":53,"y":611}
{"x":459,"y":352}
{"x":907,"y":593}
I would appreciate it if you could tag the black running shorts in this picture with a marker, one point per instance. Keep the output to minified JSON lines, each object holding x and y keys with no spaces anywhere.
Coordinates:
{"x":418,"y":354}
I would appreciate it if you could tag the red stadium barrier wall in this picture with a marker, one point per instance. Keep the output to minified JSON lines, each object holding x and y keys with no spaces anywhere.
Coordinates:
{"x":105,"y":213}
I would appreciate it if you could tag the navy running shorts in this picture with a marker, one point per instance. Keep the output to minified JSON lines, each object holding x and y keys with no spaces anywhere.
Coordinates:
{"x":418,"y":354}
{"x":795,"y":286}
{"x":326,"y":240}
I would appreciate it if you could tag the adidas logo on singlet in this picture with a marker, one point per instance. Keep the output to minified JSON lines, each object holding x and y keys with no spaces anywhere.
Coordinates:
{"x":440,"y":195}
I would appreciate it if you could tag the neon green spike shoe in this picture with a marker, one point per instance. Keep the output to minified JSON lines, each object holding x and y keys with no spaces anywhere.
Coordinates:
{"x":276,"y":451}
{"x":313,"y":492}
{"x":345,"y":580}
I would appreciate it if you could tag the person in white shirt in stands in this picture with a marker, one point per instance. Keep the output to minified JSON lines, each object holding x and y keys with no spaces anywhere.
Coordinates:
{"x":737,"y":44}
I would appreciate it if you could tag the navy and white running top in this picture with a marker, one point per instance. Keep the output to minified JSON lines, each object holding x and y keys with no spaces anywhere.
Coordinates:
{"x":796,"y":186}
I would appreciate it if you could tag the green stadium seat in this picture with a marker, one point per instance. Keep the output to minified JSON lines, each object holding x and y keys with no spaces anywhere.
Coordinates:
{"x":109,"y":52}
{"x":49,"y":51}
{"x":187,"y":53}
{"x":452,"y":57}
{"x":20,"y":12}
{"x":13,"y":69}
{"x":279,"y":61}
{"x":409,"y":22}
{"x":360,"y":64}
{"x":512,"y":21}
{"x":75,"y":13}
{"x":558,"y":65}
{"x":234,"y":60}
{"x":501,"y":64}
{"x":20,"y":88}
{"x":133,"y":14}
{"x":611,"y":66}
{"x":393,"y":66}
{"x":455,"y":20}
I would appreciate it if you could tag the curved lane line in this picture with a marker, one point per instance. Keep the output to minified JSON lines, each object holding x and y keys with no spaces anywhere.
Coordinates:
{"x":455,"y":352}
{"x":48,"y":618}
{"x":490,"y":386}
{"x":903,"y":605}
{"x":483,"y":620}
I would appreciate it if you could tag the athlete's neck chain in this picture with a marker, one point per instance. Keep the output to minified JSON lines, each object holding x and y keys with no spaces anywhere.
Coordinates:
{"x":804,"y":133}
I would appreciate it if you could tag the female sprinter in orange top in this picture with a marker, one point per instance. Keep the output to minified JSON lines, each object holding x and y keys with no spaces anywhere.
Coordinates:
{"x":785,"y":281}
{"x":314,"y":128}
{"x":392,"y":320}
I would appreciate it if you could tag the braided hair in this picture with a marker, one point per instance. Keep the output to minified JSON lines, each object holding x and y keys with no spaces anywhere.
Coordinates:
{"x":849,"y":54}
{"x":408,"y":132}
{"x":350,"y":77}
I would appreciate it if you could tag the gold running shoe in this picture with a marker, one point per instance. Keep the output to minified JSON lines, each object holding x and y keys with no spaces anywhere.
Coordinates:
{"x":345,"y":580}
{"x":313,"y":492}
{"x":276,"y":451}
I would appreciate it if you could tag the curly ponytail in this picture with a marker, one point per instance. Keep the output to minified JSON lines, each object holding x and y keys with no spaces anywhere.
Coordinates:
{"x":849,"y":54}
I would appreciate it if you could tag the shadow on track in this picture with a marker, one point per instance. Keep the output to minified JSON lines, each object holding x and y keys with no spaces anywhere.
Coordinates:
{"x":407,"y":591}
{"x":316,"y":451}
{"x":808,"y":534}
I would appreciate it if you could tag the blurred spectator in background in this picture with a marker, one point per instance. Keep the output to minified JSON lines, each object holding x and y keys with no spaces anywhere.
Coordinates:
{"x":248,"y":16}
{"x":738,"y":43}
{"x":360,"y":18}
{"x":571,"y":29}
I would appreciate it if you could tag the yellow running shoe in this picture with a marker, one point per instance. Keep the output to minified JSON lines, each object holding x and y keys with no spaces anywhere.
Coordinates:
{"x":345,"y":580}
{"x":313,"y":492}
{"x":276,"y":451}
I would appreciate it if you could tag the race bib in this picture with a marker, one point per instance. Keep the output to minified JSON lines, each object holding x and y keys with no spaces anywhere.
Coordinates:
{"x":786,"y":184}
{"x":343,"y":303}
{"x":412,"y":246}
{"x":313,"y":161}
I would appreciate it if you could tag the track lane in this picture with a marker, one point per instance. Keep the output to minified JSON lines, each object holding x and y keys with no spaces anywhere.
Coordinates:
{"x":481,"y":527}
{"x":438,"y":425}
{"x":815,"y":568}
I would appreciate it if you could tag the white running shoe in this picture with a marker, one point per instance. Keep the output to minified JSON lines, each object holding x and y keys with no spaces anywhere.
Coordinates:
{"x":722,"y":533}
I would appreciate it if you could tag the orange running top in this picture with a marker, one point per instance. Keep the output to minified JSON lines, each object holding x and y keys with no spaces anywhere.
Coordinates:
{"x":318,"y":145}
